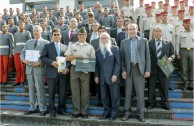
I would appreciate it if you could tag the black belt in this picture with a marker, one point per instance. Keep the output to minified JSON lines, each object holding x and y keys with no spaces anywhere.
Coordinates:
{"x":146,"y":31}
{"x":134,"y":64}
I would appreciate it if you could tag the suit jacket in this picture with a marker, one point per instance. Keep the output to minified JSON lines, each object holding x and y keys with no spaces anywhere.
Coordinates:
{"x":30,"y":46}
{"x":86,"y":25}
{"x":143,"y":55}
{"x":121,"y":37}
{"x":113,"y":34}
{"x":95,"y":43}
{"x":108,"y":66}
{"x":48,"y":55}
{"x":65,"y":37}
{"x":167,"y":49}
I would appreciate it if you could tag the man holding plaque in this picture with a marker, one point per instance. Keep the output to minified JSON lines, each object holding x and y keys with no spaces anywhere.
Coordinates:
{"x":80,"y":79}
{"x":159,"y":48}
{"x":35,"y":71}
{"x":56,"y":80}
{"x":108,"y":66}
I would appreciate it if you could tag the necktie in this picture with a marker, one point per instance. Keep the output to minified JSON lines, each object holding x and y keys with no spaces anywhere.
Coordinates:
{"x":159,"y":50}
{"x":57,"y":48}
{"x":71,"y":35}
{"x":35,"y":44}
{"x":105,"y":50}
{"x":134,"y":52}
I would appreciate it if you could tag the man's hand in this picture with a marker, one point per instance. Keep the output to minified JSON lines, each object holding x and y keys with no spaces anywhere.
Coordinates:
{"x":97,"y":80}
{"x":35,"y":64}
{"x":26,"y":62}
{"x":169,"y":59}
{"x":114,"y":78}
{"x":124,"y":75}
{"x":55,"y":64}
{"x":65,"y":71}
{"x":146,"y":74}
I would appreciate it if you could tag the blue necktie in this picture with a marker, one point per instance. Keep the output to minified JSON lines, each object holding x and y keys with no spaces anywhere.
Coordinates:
{"x":58,"y":51}
{"x":159,"y":50}
{"x":35,"y":44}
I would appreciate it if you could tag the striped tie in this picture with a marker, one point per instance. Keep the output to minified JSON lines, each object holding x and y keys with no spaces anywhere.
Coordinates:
{"x":159,"y":50}
{"x":134,"y":52}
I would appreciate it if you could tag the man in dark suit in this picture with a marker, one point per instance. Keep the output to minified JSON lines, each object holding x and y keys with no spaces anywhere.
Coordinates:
{"x":55,"y":79}
{"x":136,"y":63}
{"x":95,"y":43}
{"x":88,"y":24}
{"x":70,"y":36}
{"x":158,"y":48}
{"x":108,"y":75}
{"x":124,"y":34}
{"x":114,"y":32}
{"x":94,"y":34}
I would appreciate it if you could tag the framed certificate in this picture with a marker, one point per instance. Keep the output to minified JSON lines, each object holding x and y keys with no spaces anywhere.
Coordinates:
{"x":165,"y":66}
{"x":62,"y":63}
{"x":85,"y":64}
{"x":32,"y":55}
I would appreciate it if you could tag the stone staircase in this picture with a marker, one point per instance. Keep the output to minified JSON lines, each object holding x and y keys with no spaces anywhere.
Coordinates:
{"x":15,"y":100}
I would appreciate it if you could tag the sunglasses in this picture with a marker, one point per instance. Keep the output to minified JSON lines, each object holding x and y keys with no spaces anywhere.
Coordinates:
{"x":56,"y":34}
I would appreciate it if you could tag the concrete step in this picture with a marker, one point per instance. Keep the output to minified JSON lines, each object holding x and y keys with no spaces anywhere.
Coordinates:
{"x":176,"y":93}
{"x":186,"y":103}
{"x":174,"y":114}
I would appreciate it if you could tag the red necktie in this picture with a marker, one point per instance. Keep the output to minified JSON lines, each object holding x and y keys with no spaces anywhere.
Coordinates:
{"x":71,"y":35}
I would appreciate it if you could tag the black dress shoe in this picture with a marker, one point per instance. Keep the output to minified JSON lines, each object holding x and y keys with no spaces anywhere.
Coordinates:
{"x":75,"y":115}
{"x":141,"y":119}
{"x":62,"y":113}
{"x":170,"y":88}
{"x":125,"y":117}
{"x":85,"y":116}
{"x":112,"y":118}
{"x":42,"y":113}
{"x":105,"y":117}
{"x":166,"y":107}
{"x":15,"y":84}
{"x":30,"y":112}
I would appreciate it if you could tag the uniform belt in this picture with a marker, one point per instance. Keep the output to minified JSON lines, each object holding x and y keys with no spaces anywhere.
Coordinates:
{"x":134,"y":64}
{"x":4,"y":46}
{"x":20,"y":43}
{"x":187,"y":48}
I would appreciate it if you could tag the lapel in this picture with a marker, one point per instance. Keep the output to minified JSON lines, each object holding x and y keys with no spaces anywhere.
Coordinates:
{"x":153,"y":46}
{"x":163,"y":48}
{"x":39,"y":45}
{"x":106,"y":55}
{"x":138,"y":43}
{"x":54,"y":48}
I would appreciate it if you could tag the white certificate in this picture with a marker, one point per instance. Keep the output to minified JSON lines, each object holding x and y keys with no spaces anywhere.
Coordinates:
{"x":32,"y":55}
{"x":62,"y":63}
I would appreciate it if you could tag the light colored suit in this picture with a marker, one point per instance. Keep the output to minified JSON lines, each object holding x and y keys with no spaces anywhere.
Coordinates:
{"x":135,"y":74}
{"x":35,"y":76}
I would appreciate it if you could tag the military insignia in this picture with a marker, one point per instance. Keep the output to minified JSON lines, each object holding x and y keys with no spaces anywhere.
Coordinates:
{"x":85,"y":61}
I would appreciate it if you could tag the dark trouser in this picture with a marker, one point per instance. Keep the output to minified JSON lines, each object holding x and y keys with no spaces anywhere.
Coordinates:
{"x":146,"y":34}
{"x":187,"y":64}
{"x":139,"y":83}
{"x":110,"y":96}
{"x":59,"y":84}
{"x":163,"y":88}
{"x":93,"y":85}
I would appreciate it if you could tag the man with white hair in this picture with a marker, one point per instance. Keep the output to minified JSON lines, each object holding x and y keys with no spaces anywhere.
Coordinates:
{"x":35,"y":73}
{"x":159,"y":47}
{"x":108,"y":66}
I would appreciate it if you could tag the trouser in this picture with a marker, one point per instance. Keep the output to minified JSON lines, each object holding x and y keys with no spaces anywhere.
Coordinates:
{"x":36,"y":85}
{"x":187,"y":64}
{"x":163,"y":88}
{"x":146,"y":34}
{"x":80,"y":91}
{"x":110,"y":96}
{"x":59,"y":84}
{"x":20,"y":69}
{"x":11,"y":64}
{"x":139,"y":83}
{"x":4,"y":59}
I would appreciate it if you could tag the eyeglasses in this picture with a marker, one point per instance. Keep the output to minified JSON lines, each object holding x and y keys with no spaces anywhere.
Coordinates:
{"x":56,"y":34}
{"x":81,"y":34}
{"x":104,"y":38}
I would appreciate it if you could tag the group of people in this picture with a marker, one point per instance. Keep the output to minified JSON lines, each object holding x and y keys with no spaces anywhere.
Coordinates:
{"x":126,"y":43}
